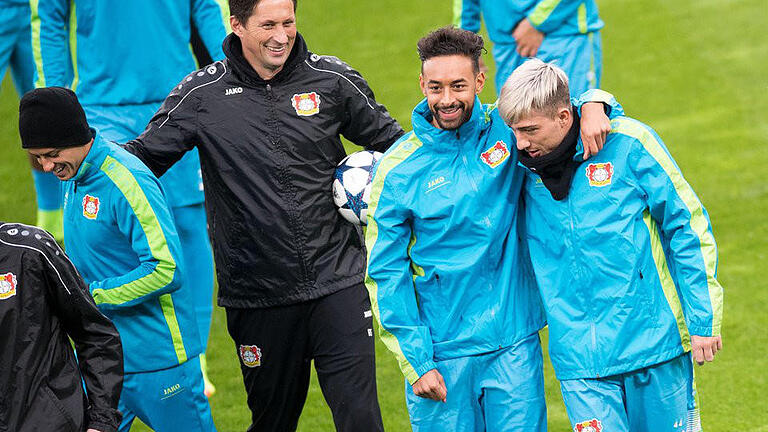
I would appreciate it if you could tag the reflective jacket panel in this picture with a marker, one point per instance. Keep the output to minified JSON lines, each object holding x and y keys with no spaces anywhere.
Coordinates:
{"x":626,"y":264}
{"x":551,"y":17}
{"x":119,"y":234}
{"x":445,"y":274}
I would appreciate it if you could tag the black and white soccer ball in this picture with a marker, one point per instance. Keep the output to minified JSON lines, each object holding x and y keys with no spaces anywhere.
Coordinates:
{"x":352,"y":185}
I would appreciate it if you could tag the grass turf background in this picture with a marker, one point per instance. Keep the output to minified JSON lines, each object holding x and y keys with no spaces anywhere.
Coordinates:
{"x":694,"y":70}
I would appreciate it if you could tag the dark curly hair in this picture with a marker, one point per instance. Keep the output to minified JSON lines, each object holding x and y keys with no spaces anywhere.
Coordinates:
{"x":450,"y":40}
{"x":243,"y":9}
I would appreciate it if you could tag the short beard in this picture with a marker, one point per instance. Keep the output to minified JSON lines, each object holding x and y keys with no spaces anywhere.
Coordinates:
{"x":466,"y":115}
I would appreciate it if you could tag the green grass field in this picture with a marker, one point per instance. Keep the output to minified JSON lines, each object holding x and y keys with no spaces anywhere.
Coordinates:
{"x":694,"y":70}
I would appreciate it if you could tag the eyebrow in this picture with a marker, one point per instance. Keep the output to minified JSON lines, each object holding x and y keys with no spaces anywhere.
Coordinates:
{"x":47,"y":153}
{"x":462,"y":80}
{"x":527,"y":128}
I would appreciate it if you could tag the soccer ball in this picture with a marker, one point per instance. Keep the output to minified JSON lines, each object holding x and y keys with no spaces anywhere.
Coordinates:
{"x":352,"y":185}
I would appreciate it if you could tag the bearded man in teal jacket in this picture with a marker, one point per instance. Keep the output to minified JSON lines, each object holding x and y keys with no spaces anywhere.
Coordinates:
{"x":119,"y":234}
{"x":625,"y":261}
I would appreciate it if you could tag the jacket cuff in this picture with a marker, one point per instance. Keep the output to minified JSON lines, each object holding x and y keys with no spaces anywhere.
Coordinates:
{"x":704,"y":331}
{"x":421,"y":370}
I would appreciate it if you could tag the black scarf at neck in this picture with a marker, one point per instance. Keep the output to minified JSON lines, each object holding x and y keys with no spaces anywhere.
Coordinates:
{"x":556,"y":168}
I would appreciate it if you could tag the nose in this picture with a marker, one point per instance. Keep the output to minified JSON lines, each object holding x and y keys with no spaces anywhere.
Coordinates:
{"x":280,"y":36}
{"x":522,"y":143}
{"x":46,"y":164}
{"x":447,"y":98}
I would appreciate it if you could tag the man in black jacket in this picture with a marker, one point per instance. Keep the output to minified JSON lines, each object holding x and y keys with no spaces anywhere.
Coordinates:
{"x":43,"y":303}
{"x":267,"y":122}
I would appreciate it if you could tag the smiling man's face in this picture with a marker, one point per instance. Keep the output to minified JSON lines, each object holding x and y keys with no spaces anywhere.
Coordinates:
{"x":62,"y":162}
{"x":450,"y":84}
{"x":267,"y":36}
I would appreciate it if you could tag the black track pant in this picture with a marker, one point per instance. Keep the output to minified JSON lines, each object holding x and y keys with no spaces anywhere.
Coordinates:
{"x":277,"y":344}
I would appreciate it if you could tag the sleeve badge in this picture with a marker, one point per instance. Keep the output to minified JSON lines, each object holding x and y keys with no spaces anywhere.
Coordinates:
{"x":7,"y":286}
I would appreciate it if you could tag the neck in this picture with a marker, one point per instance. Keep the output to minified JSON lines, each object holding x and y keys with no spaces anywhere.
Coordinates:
{"x":265,"y":73}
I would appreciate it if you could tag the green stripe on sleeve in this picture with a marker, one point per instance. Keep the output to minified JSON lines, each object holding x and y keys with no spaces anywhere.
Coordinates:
{"x":417,"y":270}
{"x":582,"y":18}
{"x":37,"y":50}
{"x":224,"y":7}
{"x":403,"y":150}
{"x":166,"y":266}
{"x":698,"y":222}
{"x":457,"y":7}
{"x":665,"y":278}
{"x":166,"y":303}
{"x":542,"y":11}
{"x":73,"y":44}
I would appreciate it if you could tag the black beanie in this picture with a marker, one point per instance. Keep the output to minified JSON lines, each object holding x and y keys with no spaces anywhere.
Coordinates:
{"x":52,"y":117}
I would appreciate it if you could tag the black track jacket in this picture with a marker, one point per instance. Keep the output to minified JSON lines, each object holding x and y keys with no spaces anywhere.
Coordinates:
{"x":43,"y":303}
{"x":268,"y":151}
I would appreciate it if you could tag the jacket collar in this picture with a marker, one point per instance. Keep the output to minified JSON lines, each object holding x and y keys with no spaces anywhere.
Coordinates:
{"x":447,"y":140}
{"x":93,"y":160}
{"x":233,"y":49}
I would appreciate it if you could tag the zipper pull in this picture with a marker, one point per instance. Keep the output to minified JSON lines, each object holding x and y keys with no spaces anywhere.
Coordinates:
{"x":269,"y":89}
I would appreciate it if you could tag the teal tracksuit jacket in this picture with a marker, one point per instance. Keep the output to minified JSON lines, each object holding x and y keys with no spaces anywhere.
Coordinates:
{"x":445,"y":274}
{"x":627,"y":263}
{"x":119,"y":234}
{"x":551,"y":17}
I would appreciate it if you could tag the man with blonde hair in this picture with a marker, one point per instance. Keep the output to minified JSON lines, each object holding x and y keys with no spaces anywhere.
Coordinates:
{"x":623,"y":333}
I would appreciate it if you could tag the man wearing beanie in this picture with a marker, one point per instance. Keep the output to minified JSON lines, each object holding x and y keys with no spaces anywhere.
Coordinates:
{"x":120,"y":236}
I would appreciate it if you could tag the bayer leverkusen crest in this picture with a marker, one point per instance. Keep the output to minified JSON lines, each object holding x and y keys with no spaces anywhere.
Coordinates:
{"x":593,"y":425}
{"x":306,"y":104}
{"x":7,"y":285}
{"x":495,"y":155}
{"x":600,"y":174}
{"x":250,"y":355}
{"x":90,"y":207}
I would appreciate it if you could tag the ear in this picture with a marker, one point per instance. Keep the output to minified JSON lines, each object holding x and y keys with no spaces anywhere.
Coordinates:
{"x":423,"y":85}
{"x":479,"y":82}
{"x":564,"y":115}
{"x":237,"y":27}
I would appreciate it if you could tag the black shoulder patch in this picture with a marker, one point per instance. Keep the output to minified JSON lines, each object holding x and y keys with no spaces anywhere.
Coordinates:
{"x":28,"y":235}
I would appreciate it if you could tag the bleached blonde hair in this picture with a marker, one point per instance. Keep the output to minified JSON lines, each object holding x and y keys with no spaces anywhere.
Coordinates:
{"x":534,"y":87}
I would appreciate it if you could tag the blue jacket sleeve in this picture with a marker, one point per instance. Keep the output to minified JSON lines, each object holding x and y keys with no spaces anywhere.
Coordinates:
{"x":209,"y":20}
{"x":548,"y":15}
{"x":50,"y":43}
{"x":466,"y":14}
{"x":390,"y":282}
{"x":142,"y":215}
{"x":613,"y":108}
{"x":685,"y":227}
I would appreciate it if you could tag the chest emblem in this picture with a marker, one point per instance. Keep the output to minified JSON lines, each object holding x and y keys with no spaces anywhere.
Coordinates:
{"x":495,"y":155}
{"x":306,"y":104}
{"x":7,"y":286}
{"x":90,"y":207}
{"x":593,"y":425}
{"x":251,"y":355}
{"x":600,"y":174}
